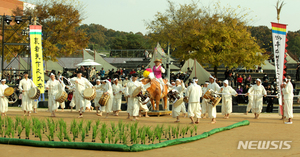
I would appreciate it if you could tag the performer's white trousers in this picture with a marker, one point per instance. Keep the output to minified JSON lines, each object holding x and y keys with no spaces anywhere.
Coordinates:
{"x":144,"y":107}
{"x":108,"y":107}
{"x":176,"y":110}
{"x":288,"y":108}
{"x":194,"y":109}
{"x":116,"y":106}
{"x":133,"y":106}
{"x":62,"y":105}
{"x":212,"y":111}
{"x":26,"y":102}
{"x":250,"y":102}
{"x":257,"y":106}
{"x":204,"y":106}
{"x":3,"y":105}
{"x":226,"y":106}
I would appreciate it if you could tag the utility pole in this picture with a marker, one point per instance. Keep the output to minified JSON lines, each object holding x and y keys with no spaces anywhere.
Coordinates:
{"x":168,"y":63}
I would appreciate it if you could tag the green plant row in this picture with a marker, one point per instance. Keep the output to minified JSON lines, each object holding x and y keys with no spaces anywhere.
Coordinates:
{"x":117,"y":147}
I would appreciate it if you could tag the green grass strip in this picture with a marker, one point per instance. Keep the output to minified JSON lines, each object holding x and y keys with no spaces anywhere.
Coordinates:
{"x":117,"y":147}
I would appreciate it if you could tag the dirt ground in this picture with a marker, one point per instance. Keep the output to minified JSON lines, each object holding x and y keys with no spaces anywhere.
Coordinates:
{"x":267,"y":128}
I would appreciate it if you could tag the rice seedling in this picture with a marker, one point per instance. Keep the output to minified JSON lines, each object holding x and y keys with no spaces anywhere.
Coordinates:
{"x":109,"y":138}
{"x":153,"y":138}
{"x":183,"y":132}
{"x":95,"y":132}
{"x":86,"y":130}
{"x":80,"y":125}
{"x":120,"y":125}
{"x":176,"y":133}
{"x":20,"y":130}
{"x":27,"y":129}
{"x":143,"y":137}
{"x":196,"y":129}
{"x":89,"y":124}
{"x":97,"y":123}
{"x":124,"y":138}
{"x":39,"y":133}
{"x":127,"y":126}
{"x":116,"y":140}
{"x":13,"y":134}
{"x":187,"y":129}
{"x":68,"y":138}
{"x":159,"y":133}
{"x":60,"y":134}
{"x":83,"y":135}
{"x":17,"y":121}
{"x":51,"y":131}
{"x":23,"y":122}
{"x":73,"y":125}
{"x":120,"y":135}
{"x":191,"y":131}
{"x":150,"y":135}
{"x":162,"y":128}
{"x":75,"y":133}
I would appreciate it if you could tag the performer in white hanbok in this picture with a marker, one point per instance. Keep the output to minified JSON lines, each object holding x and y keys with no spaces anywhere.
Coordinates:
{"x":179,"y":87}
{"x":133,"y":102}
{"x":99,"y":92}
{"x":193,"y":93}
{"x":107,"y":89}
{"x":212,"y":111}
{"x":250,"y":101}
{"x":25,"y":85}
{"x":204,"y":103}
{"x":72,"y":89}
{"x":258,"y":92}
{"x":81,"y":84}
{"x":117,"y":92}
{"x":3,"y":99}
{"x":53,"y":86}
{"x":288,"y":96}
{"x":227,"y":92}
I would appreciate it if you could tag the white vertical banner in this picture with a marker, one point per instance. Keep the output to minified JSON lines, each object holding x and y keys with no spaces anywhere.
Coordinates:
{"x":279,"y":40}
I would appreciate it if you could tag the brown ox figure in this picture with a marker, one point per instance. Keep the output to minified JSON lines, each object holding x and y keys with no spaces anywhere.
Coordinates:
{"x":155,"y":92}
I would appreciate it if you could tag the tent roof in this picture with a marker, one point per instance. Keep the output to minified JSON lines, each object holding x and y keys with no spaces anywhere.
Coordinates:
{"x":200,"y":73}
{"x":268,"y":66}
{"x":187,"y":63}
{"x":104,"y":63}
{"x":289,"y":59}
{"x":160,"y":54}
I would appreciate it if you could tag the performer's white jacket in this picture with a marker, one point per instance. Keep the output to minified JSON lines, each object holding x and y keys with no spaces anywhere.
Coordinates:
{"x":258,"y":93}
{"x":212,"y":111}
{"x":79,"y":89}
{"x":204,"y":104}
{"x":26,"y":85}
{"x":4,"y":100}
{"x":194,"y":92}
{"x":227,"y":99}
{"x":108,"y":88}
{"x":54,"y":88}
{"x":133,"y":103}
{"x":288,"y":100}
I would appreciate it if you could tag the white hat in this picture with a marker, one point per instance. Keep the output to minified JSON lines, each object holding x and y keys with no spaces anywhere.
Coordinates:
{"x":178,"y":80}
{"x":51,"y":74}
{"x":258,"y":80}
{"x":115,"y":79}
{"x":206,"y":82}
{"x":211,"y":77}
{"x":97,"y":80}
{"x":225,"y":81}
{"x":172,"y":82}
{"x":3,"y":80}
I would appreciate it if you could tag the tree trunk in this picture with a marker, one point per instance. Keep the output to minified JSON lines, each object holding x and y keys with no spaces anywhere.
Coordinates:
{"x":216,"y":71}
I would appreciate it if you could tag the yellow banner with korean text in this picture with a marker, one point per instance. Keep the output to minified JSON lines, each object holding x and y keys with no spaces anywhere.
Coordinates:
{"x":37,"y":57}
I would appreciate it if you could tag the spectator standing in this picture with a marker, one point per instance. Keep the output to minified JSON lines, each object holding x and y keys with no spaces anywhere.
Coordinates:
{"x":226,"y":73}
{"x":239,"y":90}
{"x":269,"y":99}
{"x":239,"y":80}
{"x":102,"y":72}
{"x":132,"y":72}
{"x":248,"y":80}
{"x":266,"y":77}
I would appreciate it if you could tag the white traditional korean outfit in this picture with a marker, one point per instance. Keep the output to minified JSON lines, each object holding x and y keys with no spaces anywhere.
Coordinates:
{"x":288,"y":100}
{"x":62,"y":105}
{"x":117,"y":91}
{"x":227,"y":99}
{"x":108,"y":88}
{"x":99,"y":92}
{"x":204,"y":103}
{"x":54,"y":87}
{"x":133,"y":102}
{"x":4,"y":100}
{"x":79,"y":89}
{"x":250,"y":102}
{"x":72,"y":89}
{"x":258,"y":93}
{"x":181,"y":107}
{"x":194,"y":92}
{"x":26,"y":85}
{"x":212,"y":111}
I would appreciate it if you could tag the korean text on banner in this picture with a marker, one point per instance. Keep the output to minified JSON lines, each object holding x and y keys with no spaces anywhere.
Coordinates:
{"x":37,"y":56}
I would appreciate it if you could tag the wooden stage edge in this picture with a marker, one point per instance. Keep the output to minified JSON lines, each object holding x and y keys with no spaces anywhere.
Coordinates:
{"x":159,"y":113}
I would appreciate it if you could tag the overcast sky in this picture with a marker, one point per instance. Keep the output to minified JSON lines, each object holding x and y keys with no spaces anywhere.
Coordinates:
{"x":129,"y":15}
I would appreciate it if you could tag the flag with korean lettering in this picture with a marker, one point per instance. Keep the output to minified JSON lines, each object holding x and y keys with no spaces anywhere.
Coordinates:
{"x":279,"y":44}
{"x":37,"y":56}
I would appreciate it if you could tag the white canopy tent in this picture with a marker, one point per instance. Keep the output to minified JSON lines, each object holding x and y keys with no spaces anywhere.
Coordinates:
{"x":88,"y":62}
{"x":104,"y":63}
{"x":289,"y":59}
{"x":267,"y":66}
{"x":188,"y":63}
{"x":160,"y":54}
{"x":199,"y":72}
